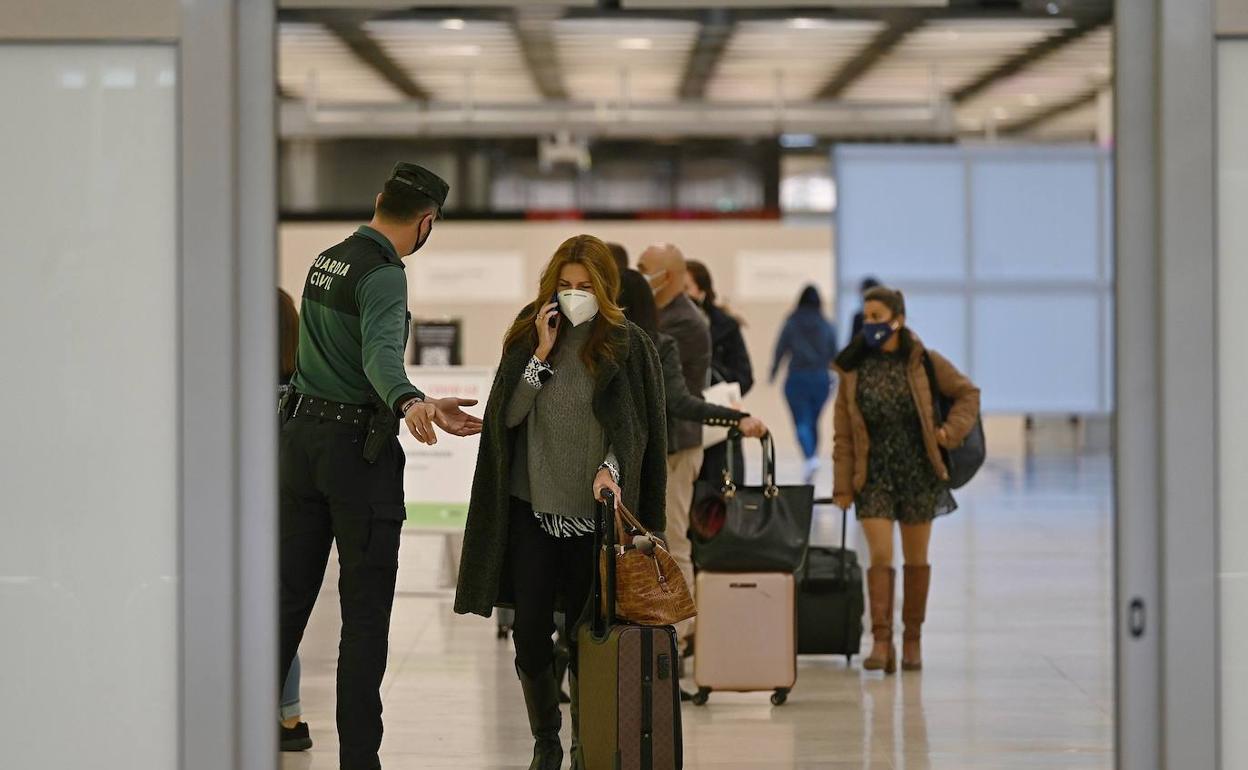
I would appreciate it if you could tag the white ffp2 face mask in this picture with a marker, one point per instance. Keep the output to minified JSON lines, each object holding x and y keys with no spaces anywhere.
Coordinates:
{"x":577,"y":306}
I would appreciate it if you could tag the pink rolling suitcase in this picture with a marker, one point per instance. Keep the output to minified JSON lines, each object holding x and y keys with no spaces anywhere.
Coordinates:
{"x":747,"y":634}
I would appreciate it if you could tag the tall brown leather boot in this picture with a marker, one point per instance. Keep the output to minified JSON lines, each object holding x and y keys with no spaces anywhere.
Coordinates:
{"x":913,"y":613}
{"x":881,"y":585}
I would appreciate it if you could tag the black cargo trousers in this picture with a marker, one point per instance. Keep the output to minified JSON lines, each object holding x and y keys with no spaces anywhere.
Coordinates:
{"x":329,"y":493}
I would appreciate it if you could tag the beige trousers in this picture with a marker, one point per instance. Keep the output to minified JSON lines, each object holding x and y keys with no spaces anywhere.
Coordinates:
{"x":683,"y":468}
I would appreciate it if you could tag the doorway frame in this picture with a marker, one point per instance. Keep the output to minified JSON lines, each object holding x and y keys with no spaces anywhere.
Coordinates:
{"x":1166,"y":502}
{"x":228,"y":349}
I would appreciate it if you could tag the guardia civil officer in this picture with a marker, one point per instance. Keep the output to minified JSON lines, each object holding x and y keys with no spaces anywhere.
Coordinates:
{"x":341,"y":464}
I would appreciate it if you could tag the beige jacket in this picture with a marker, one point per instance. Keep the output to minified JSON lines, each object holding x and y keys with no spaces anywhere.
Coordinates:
{"x":851,"y":441}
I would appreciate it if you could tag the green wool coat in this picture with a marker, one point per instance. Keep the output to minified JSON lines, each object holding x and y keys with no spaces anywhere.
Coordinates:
{"x":629,"y":403}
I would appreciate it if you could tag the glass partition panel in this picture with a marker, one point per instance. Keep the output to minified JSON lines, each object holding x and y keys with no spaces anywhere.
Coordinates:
{"x":89,"y":467}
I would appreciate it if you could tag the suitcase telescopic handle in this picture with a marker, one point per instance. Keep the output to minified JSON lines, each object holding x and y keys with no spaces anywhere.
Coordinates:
{"x":844,"y":542}
{"x":849,"y":618}
{"x":604,"y":543}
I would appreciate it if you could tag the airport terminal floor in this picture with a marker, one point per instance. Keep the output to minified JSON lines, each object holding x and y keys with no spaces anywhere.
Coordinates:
{"x":1017,"y":655}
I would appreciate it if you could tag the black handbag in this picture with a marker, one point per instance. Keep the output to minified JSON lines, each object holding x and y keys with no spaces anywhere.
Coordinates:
{"x":751,"y":529}
{"x":965,"y":460}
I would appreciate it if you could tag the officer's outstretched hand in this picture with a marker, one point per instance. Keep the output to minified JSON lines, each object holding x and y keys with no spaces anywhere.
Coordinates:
{"x":450,"y":416}
{"x":419,"y":419}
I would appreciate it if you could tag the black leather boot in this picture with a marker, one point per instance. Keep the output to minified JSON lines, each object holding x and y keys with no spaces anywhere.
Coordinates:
{"x":563,"y":656}
{"x":541,"y":699}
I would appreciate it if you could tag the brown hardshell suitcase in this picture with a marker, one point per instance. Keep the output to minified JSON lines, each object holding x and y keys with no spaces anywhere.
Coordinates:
{"x":628,"y":687}
{"x":747,"y":634}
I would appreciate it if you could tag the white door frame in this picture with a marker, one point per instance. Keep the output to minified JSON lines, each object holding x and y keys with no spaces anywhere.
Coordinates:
{"x":1166,"y":481}
{"x":229,"y":383}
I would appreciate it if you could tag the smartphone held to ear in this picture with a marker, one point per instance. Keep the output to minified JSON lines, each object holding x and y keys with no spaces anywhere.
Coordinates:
{"x":554,"y":318}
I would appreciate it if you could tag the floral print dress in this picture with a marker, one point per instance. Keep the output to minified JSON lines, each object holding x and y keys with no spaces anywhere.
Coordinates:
{"x":901,"y":483}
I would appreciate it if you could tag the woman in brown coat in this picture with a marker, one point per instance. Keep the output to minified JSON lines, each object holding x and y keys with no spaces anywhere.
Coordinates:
{"x":888,"y":463}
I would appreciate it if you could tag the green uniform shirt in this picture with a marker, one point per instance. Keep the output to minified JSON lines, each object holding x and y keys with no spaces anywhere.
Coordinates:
{"x":354,"y":324}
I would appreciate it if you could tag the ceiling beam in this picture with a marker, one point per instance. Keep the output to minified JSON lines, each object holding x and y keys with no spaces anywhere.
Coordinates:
{"x":781,"y":11}
{"x":714,"y":34}
{"x":700,"y":119}
{"x":367,"y":50}
{"x":899,"y":27}
{"x":1035,"y":53}
{"x":532,"y":30}
{"x":1055,"y":111}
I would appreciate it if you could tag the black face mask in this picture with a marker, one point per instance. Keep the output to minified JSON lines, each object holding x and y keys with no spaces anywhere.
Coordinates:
{"x":421,"y":241}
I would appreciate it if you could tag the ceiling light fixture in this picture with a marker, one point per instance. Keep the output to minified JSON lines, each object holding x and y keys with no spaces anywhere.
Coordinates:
{"x":804,"y":23}
{"x":636,"y":44}
{"x":456,"y":50}
{"x":453,"y":24}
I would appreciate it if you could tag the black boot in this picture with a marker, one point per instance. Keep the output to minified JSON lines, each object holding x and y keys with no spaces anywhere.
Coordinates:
{"x":541,"y":698}
{"x":562,"y":657}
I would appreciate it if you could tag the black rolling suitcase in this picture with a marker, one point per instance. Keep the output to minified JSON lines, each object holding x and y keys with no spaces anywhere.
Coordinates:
{"x":830,"y":599}
{"x":629,"y":690}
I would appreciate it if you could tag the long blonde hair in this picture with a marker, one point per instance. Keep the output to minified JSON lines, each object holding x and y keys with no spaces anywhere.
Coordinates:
{"x":597,"y":259}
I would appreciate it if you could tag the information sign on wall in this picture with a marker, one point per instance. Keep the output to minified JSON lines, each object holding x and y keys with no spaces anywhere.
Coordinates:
{"x":780,"y":276}
{"x":442,"y":473}
{"x":437,"y":343}
{"x":469,"y":276}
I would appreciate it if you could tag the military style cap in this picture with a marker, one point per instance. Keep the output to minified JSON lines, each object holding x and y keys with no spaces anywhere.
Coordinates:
{"x":423,"y":180}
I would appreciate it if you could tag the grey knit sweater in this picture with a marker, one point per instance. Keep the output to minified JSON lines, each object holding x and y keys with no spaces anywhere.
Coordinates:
{"x":562,"y":445}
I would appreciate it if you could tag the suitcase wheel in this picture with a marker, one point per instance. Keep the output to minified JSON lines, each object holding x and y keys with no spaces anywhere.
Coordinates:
{"x":779,"y":697}
{"x":701,"y":696}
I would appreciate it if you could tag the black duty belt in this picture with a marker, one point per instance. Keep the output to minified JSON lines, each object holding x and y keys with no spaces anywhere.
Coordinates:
{"x":351,"y":414}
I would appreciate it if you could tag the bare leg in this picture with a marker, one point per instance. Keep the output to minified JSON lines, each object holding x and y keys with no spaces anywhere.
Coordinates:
{"x":914,"y":542}
{"x":879,"y":534}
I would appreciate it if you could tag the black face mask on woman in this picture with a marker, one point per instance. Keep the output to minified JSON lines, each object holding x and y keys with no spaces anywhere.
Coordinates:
{"x":876,"y":334}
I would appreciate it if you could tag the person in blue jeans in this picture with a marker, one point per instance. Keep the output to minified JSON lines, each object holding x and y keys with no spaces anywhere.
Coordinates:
{"x":295,"y":735}
{"x":808,"y":341}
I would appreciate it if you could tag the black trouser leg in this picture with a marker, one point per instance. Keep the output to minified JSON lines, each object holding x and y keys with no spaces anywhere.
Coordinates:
{"x":543,"y":569}
{"x":305,"y":539}
{"x":368,"y":551}
{"x":575,"y":579}
{"x":361,"y":506}
{"x":535,"y":571}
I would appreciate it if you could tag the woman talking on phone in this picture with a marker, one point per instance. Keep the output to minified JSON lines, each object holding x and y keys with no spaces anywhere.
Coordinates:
{"x":576,"y":408}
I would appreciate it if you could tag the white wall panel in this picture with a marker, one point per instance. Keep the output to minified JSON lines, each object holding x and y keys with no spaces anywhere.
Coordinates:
{"x":1038,"y":352}
{"x":89,"y":556}
{"x":940,"y":321}
{"x":1004,"y":255}
{"x":901,"y":215}
{"x":1035,"y":218}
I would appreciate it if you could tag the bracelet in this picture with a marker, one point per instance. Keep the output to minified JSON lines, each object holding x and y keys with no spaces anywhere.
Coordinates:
{"x":410,"y":403}
{"x":610,"y":468}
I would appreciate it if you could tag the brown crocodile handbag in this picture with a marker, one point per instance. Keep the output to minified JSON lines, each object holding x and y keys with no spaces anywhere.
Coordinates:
{"x":649,"y":587}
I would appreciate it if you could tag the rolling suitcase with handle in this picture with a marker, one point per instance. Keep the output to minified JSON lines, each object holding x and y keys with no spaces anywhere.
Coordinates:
{"x":829,"y":599}
{"x":628,"y":688}
{"x":747,"y":640}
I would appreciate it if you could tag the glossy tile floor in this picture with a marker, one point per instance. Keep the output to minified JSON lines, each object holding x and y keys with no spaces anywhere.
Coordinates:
{"x":1018,"y":667}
